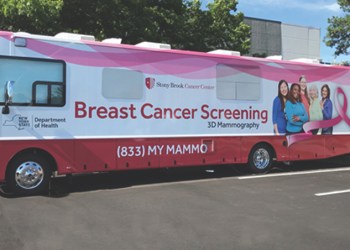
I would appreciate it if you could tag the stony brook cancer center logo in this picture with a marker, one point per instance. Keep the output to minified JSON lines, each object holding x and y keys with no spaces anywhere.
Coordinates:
{"x":150,"y":82}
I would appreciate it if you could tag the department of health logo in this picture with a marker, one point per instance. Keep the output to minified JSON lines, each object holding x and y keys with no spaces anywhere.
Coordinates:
{"x":18,"y":121}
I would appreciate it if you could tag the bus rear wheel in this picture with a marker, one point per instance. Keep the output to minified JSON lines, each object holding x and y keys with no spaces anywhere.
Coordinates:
{"x":260,"y":159}
{"x":28,"y":174}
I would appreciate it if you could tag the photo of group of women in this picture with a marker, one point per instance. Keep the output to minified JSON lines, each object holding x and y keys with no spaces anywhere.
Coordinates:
{"x":299,"y":103}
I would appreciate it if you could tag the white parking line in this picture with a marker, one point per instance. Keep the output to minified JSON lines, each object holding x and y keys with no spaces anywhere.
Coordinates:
{"x":295,"y":173}
{"x":333,"y":192}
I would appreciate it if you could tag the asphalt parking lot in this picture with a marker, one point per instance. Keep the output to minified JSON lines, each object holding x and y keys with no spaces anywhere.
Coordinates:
{"x":304,"y":206}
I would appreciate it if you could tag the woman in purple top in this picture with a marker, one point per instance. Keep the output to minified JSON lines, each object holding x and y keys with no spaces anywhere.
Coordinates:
{"x":327,"y":108}
{"x":279,"y":103}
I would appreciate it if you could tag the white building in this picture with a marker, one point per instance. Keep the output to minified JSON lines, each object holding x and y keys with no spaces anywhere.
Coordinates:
{"x":271,"y":38}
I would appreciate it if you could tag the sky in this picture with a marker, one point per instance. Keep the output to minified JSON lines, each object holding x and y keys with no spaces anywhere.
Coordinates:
{"x":310,"y":13}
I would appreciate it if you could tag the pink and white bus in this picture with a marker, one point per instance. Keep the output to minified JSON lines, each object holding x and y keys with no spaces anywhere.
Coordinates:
{"x":71,"y":105}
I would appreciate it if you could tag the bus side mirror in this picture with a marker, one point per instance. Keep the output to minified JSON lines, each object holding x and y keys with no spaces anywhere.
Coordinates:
{"x":8,"y":96}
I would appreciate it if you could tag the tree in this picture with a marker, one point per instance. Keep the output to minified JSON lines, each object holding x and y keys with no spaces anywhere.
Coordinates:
{"x":132,"y":20}
{"x":94,"y":17}
{"x":227,"y":31}
{"x":338,"y":31}
{"x":215,"y":28}
{"x":192,"y":27}
{"x":157,"y":21}
{"x":181,"y":23}
{"x":34,"y":16}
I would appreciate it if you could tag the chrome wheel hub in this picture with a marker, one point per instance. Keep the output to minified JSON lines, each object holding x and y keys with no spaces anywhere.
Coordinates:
{"x":261,"y":158}
{"x":29,"y":175}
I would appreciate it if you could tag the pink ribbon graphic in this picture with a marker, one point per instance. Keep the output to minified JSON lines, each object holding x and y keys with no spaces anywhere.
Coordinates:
{"x":308,"y":126}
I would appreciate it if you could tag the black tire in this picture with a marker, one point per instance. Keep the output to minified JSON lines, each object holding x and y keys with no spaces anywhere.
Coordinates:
{"x":28,"y":174}
{"x":260,"y":159}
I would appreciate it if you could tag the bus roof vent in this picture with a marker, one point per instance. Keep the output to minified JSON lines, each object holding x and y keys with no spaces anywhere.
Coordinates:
{"x":275,"y":57}
{"x":21,"y":33}
{"x":154,"y":45}
{"x":75,"y":37}
{"x":225,"y":52}
{"x":306,"y":60}
{"x":112,"y":40}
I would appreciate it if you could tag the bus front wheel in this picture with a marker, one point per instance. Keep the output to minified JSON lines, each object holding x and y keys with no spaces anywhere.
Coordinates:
{"x":260,"y":158}
{"x":28,"y":174}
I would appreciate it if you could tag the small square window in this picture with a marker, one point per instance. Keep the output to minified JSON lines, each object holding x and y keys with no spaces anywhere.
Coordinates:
{"x":237,"y":82}
{"x":122,"y":84}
